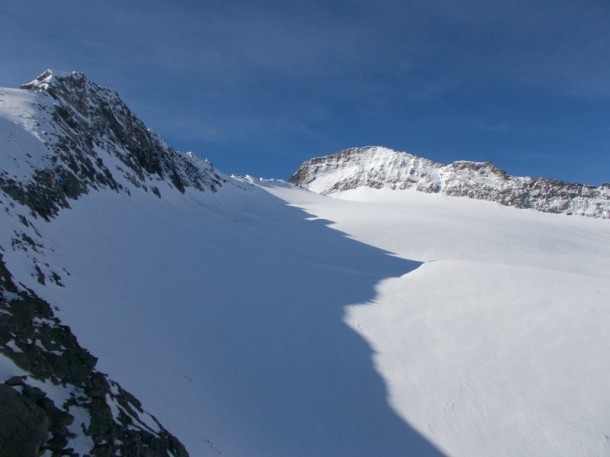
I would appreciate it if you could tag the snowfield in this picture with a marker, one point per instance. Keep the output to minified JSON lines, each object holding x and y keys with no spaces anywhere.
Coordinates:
{"x":421,"y":325}
{"x":225,"y":313}
{"x":497,"y":344}
{"x":254,"y":318}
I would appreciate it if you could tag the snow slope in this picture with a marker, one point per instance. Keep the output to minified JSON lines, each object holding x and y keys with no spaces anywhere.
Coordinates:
{"x":216,"y":304}
{"x":224,"y":314}
{"x":494,"y":346}
{"x":255,"y":318}
{"x":497,"y":344}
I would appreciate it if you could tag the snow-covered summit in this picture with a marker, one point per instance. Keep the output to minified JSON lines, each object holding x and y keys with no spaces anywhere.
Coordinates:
{"x":49,"y":77}
{"x":65,"y":135}
{"x":379,"y":167}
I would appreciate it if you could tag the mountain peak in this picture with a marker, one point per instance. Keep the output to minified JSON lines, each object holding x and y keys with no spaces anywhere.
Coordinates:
{"x":72,"y":87}
{"x":378,"y":167}
{"x":91,"y":140}
{"x":50,"y":78}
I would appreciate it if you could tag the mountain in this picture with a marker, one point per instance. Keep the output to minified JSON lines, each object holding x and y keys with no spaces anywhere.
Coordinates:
{"x":379,"y":167}
{"x":85,"y":138}
{"x":151,"y":305}
{"x":55,"y":402}
{"x":63,"y":137}
{"x":191,"y":289}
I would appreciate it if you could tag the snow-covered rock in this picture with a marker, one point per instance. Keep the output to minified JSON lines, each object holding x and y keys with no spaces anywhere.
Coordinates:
{"x":64,"y":135}
{"x":379,"y":167}
{"x":54,"y":400}
{"x":61,"y":138}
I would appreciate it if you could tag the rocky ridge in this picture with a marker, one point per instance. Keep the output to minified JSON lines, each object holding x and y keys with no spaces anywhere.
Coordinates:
{"x":94,"y":141}
{"x":57,"y":403}
{"x":379,"y":167}
{"x":61,"y":137}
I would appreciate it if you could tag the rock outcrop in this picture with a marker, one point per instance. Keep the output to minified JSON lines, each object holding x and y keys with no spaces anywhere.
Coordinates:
{"x":63,"y":136}
{"x":94,"y":141}
{"x":58,"y":402}
{"x":378,"y":167}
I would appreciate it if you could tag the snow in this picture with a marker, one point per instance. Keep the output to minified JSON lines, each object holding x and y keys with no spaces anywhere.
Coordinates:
{"x":8,"y":369}
{"x":377,"y":167}
{"x":226,"y":319}
{"x":142,"y":420}
{"x":391,"y":166}
{"x":13,"y":347}
{"x":496,"y":345}
{"x":271,"y":321}
{"x":46,"y":78}
{"x":80,"y":442}
{"x":248,"y":327}
{"x":23,"y":128}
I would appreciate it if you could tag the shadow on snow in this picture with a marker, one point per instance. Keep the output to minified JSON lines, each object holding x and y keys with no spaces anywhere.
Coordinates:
{"x":242,"y":311}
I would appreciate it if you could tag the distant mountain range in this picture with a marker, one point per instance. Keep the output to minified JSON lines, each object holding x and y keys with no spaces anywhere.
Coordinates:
{"x":379,"y":167}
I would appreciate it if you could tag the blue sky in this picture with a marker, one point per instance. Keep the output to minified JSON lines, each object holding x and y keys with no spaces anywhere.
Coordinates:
{"x":260,"y":86}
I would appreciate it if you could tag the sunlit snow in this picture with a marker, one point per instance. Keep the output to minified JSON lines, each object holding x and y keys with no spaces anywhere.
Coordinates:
{"x":266,"y":320}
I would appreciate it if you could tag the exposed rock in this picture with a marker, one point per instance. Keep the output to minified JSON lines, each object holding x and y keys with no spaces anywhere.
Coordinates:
{"x":378,"y":167}
{"x":91,"y":129}
{"x":34,"y":417}
{"x":77,"y":137}
{"x":23,"y":425}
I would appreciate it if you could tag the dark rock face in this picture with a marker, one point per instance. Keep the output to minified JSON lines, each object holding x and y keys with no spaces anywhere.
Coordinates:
{"x":34,"y":418}
{"x":58,"y":403}
{"x":92,"y":127}
{"x":378,"y":167}
{"x":23,"y":425}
